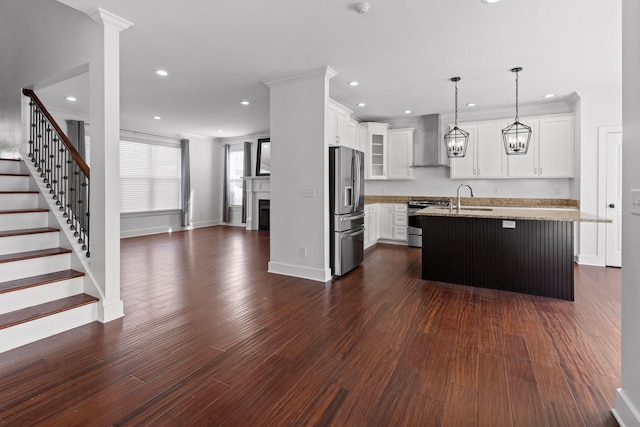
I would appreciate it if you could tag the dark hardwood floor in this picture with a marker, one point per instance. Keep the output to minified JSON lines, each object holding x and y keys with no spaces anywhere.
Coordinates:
{"x":211,"y":338}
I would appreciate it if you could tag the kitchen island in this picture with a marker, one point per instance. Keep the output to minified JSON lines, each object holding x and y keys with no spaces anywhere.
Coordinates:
{"x":519,"y":250}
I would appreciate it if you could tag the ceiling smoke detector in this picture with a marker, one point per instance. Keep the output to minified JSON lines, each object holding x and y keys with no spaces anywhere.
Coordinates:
{"x":362,"y":7}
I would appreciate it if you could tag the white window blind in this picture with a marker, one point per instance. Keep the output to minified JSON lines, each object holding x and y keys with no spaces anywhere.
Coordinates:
{"x":150,"y":176}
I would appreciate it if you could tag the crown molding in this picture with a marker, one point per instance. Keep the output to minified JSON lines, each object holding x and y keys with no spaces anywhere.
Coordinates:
{"x":326,"y":72}
{"x":105,"y":17}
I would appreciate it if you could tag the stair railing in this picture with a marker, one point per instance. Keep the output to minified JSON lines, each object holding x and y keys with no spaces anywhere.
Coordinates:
{"x":61,"y":168}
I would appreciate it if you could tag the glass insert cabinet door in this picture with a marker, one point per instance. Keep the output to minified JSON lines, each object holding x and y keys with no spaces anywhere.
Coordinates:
{"x":377,"y":155}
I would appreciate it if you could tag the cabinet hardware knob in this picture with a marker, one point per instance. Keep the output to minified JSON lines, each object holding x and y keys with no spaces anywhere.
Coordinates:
{"x":611,"y":205}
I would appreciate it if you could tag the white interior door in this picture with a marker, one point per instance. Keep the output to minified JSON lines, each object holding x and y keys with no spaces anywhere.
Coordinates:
{"x":614,"y":199}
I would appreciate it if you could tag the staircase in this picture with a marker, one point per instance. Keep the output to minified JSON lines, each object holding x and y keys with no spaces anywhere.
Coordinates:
{"x":40,"y":295}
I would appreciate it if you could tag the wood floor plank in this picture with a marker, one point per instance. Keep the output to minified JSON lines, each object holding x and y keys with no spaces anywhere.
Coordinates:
{"x":211,"y":338}
{"x":423,"y":410}
{"x":494,"y":406}
{"x":460,"y":406}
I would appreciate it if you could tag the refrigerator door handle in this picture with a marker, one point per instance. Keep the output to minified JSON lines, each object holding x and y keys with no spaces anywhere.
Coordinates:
{"x":352,"y":217}
{"x":357,"y":181}
{"x":359,"y":230}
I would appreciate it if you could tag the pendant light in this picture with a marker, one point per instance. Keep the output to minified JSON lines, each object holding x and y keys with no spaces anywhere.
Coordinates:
{"x":516,"y":136}
{"x":456,"y":139}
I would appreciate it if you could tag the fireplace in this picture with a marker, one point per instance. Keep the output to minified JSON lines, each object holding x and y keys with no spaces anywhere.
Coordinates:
{"x":263,"y":214}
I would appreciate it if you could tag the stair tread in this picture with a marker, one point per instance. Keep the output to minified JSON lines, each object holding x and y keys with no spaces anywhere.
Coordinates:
{"x":14,"y":174}
{"x":11,"y":160}
{"x":26,"y":231}
{"x":42,"y":279}
{"x":19,"y":211}
{"x":42,"y":310}
{"x":33,"y":254}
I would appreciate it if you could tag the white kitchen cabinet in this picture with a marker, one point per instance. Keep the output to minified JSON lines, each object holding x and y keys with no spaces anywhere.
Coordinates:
{"x":400,"y":222}
{"x":339,"y":128}
{"x":392,"y":221}
{"x":550,"y":153}
{"x":556,"y":147}
{"x":485,"y":156}
{"x":362,"y":137}
{"x":400,"y":153}
{"x":551,"y":150}
{"x":376,"y":153}
{"x":370,"y":224}
{"x":386,"y":221}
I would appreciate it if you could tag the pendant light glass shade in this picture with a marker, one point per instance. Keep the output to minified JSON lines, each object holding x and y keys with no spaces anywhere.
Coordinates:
{"x":516,"y":136}
{"x":456,"y":139}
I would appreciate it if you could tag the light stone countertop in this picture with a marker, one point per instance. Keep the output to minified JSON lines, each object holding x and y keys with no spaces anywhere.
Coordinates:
{"x":572,"y":215}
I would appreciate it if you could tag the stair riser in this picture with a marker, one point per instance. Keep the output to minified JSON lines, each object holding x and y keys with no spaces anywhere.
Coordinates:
{"x":9,"y":167}
{"x":34,"y":267}
{"x":19,"y":201}
{"x":16,"y":300}
{"x":14,"y":183}
{"x":23,"y":221}
{"x":29,"y":242}
{"x":35,"y":330}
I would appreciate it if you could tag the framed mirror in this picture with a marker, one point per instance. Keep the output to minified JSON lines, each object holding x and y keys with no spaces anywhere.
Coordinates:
{"x":263,"y":163}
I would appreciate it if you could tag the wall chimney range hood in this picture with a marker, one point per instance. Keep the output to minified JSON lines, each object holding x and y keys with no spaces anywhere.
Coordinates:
{"x":429,"y":150}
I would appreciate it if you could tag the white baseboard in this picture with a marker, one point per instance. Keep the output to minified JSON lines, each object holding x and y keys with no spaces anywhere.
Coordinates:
{"x":317,"y":274}
{"x":393,"y":242}
{"x":202,"y":224}
{"x":109,"y":312}
{"x":625,"y":413}
{"x":590,"y":260}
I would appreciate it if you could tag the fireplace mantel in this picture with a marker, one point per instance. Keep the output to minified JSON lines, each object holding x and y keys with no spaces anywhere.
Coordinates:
{"x":257,"y":187}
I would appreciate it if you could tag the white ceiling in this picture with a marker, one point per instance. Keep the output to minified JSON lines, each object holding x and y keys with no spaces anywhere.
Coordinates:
{"x":402,"y":52}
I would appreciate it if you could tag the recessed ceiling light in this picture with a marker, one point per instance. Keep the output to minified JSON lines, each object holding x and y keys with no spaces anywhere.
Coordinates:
{"x":471,"y":104}
{"x":361,"y":104}
{"x":353,"y":83}
{"x":407,"y":111}
{"x":157,"y":118}
{"x":71,"y":98}
{"x":244,"y":102}
{"x":162,"y":73}
{"x":549,"y":95}
{"x":490,"y":1}
{"x":220,"y":131}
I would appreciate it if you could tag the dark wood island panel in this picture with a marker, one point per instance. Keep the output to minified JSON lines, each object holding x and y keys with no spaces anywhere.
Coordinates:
{"x":535,"y":257}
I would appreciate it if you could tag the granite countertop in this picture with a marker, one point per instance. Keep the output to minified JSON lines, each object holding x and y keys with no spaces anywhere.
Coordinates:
{"x":572,"y":215}
{"x":506,"y":202}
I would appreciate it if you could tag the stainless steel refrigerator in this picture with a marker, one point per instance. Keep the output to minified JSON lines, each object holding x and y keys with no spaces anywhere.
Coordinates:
{"x":346,"y":209}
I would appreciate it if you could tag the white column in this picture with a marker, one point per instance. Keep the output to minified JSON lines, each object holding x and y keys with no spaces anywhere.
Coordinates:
{"x":627,"y":408}
{"x":299,"y":225}
{"x":104,"y":77}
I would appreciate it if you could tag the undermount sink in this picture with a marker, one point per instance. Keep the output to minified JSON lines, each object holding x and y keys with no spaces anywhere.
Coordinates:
{"x":476,"y":209}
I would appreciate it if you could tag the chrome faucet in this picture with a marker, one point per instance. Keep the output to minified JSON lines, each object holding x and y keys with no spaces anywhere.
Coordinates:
{"x":460,"y":187}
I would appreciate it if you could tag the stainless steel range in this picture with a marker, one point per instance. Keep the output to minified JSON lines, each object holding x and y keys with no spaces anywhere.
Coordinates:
{"x":414,"y":229}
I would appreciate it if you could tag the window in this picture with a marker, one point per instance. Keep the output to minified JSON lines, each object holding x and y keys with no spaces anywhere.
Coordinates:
{"x":150,"y":177}
{"x":236,"y":172}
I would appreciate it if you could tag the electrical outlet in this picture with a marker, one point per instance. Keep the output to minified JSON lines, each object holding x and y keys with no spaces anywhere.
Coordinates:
{"x":557,"y":190}
{"x":307,"y":192}
{"x":381,"y":190}
{"x":303,"y":252}
{"x":494,"y":190}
